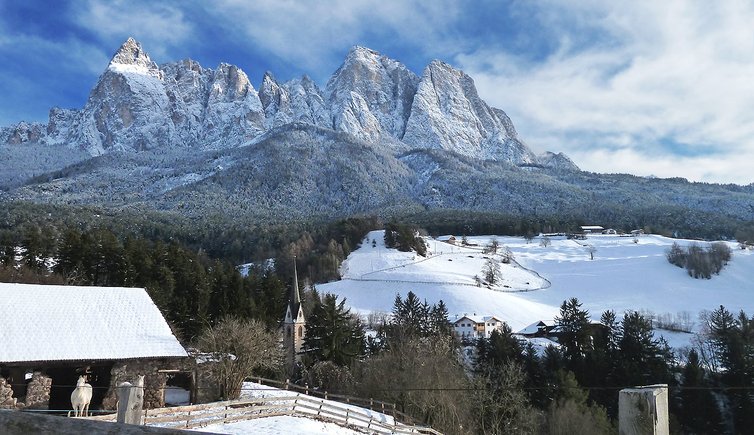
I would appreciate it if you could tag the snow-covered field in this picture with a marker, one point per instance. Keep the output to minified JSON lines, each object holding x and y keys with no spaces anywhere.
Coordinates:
{"x":623,"y":276}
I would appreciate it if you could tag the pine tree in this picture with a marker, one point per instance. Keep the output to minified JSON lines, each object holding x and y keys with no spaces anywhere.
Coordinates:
{"x":699,"y":411}
{"x":439,"y":323}
{"x":502,"y":347}
{"x":641,"y":359}
{"x":573,"y":335}
{"x":332,"y":334}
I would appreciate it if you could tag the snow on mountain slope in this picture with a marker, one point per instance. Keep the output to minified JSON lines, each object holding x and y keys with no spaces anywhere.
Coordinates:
{"x":623,"y":276}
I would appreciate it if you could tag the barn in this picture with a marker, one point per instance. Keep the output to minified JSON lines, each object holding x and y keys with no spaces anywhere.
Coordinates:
{"x":50,"y":335}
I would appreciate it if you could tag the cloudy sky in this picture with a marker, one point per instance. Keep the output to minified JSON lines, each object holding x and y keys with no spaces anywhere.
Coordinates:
{"x":662,"y":88}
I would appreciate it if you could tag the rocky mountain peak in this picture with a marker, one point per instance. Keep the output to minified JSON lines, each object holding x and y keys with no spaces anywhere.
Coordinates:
{"x":370,"y":95}
{"x":131,"y":53}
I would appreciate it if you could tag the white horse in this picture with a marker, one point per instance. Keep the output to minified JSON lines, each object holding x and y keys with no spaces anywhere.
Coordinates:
{"x":80,"y":398}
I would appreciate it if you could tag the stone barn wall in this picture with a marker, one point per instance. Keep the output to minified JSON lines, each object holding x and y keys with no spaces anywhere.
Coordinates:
{"x":38,"y":392}
{"x":7,"y":401}
{"x":154,"y":382}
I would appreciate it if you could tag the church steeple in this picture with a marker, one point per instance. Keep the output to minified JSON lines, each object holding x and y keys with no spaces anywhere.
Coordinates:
{"x":296,"y":295}
{"x":294,"y":324}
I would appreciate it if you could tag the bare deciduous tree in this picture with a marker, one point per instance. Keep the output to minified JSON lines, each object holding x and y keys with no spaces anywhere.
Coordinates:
{"x":238,"y":347}
{"x":491,"y":272}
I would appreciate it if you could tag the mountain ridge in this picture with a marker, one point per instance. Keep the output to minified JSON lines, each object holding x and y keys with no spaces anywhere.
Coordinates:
{"x":377,"y":139}
{"x":370,"y":96}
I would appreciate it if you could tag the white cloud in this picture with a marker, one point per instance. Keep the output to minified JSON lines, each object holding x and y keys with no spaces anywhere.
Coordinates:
{"x":656,"y":72}
{"x":309,"y":34}
{"x":156,"y":25}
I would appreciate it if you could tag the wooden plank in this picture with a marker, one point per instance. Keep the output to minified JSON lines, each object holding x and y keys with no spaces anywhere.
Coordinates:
{"x":212,"y":414}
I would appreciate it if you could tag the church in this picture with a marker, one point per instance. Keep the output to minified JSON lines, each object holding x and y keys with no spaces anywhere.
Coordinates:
{"x":294,"y":325}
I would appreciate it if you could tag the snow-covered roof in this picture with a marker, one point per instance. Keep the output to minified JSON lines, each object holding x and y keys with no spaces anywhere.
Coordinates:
{"x":478,"y":319}
{"x":58,"y":323}
{"x":534,"y":327}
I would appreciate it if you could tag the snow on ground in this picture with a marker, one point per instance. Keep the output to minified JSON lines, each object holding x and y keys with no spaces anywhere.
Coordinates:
{"x":623,"y":276}
{"x":283,"y":425}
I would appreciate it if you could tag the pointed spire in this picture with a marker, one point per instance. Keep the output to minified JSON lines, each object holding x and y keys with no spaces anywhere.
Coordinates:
{"x":296,"y":294}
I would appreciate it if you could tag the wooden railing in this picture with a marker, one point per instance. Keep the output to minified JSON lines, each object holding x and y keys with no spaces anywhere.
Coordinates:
{"x":295,"y":404}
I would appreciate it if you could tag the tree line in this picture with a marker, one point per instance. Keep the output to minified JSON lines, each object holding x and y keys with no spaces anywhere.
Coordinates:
{"x":191,"y":290}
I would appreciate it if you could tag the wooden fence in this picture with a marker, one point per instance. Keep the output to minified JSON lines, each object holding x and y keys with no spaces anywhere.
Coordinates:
{"x":294,"y":404}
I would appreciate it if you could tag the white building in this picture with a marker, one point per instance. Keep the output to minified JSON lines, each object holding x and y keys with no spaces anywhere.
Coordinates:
{"x":476,"y":326}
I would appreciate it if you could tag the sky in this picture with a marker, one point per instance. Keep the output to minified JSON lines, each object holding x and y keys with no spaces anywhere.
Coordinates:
{"x":649,"y":88}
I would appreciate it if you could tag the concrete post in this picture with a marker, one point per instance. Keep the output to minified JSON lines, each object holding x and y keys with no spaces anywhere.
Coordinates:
{"x":643,"y":410}
{"x":131,"y":402}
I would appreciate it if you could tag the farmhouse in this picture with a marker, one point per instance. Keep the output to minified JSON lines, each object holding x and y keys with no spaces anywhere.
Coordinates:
{"x":551,"y":330}
{"x":592,"y":229}
{"x":50,"y":335}
{"x":540,"y":328}
{"x":476,"y":326}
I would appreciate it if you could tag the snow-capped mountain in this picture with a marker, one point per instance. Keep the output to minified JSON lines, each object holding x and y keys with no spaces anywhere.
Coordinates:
{"x":376,"y":139}
{"x":137,"y":105}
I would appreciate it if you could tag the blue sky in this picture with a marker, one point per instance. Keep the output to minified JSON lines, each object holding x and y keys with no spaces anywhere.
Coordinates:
{"x":649,"y":88}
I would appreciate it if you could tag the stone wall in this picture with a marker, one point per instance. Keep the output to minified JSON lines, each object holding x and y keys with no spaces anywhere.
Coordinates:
{"x":206,"y":388}
{"x":38,"y":392}
{"x":154,"y":382}
{"x":7,"y":401}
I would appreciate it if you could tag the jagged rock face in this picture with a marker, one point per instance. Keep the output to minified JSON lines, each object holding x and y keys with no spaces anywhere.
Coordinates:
{"x":128,"y":107}
{"x":299,"y":100}
{"x":234,"y":112}
{"x":447,"y":113}
{"x":557,"y":161}
{"x":59,"y":125}
{"x":21,"y":133}
{"x":186,"y":87}
{"x":370,"y":95}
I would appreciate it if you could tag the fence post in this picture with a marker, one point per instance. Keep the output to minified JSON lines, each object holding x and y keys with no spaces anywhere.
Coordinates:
{"x":346,"y":417}
{"x":130,"y":403}
{"x":643,"y":410}
{"x":325,"y":395}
